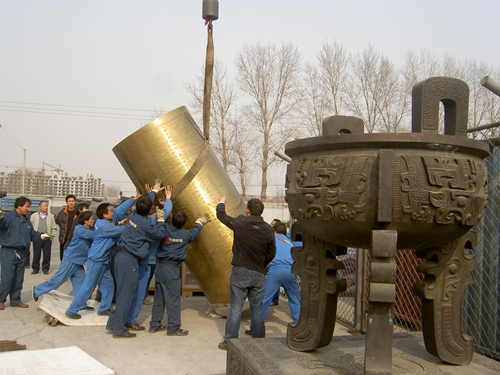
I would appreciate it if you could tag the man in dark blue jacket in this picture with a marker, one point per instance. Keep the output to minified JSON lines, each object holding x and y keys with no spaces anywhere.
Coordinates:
{"x":171,"y":253}
{"x":133,"y":246}
{"x":16,"y":233}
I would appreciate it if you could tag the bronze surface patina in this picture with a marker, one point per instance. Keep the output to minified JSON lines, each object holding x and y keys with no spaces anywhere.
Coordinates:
{"x":388,"y":192}
{"x":168,"y":148}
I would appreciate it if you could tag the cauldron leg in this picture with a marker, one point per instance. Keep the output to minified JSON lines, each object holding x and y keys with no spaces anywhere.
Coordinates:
{"x":447,"y":271}
{"x":317,"y":267}
{"x":378,"y":351}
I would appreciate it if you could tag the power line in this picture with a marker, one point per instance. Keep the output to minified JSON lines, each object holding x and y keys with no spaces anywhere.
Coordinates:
{"x":74,"y":114}
{"x":78,"y":106}
{"x":74,"y":110}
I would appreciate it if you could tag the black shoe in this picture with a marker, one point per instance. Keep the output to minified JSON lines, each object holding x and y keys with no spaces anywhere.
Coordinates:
{"x":127,"y":335}
{"x":135,"y":327}
{"x":223,"y":345}
{"x":35,"y":298}
{"x":45,"y":272}
{"x":105,"y":313}
{"x":248,"y":332}
{"x":90,"y":308}
{"x":179,"y":332}
{"x":159,"y":329}
{"x":27,"y":266}
{"x":33,"y":272}
{"x":72,"y":316}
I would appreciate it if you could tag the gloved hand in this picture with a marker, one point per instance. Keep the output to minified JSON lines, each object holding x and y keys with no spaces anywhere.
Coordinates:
{"x":1,"y":213}
{"x":157,"y":185}
{"x":202,"y":220}
{"x":46,"y":236}
{"x":160,"y":215}
{"x":122,"y":222}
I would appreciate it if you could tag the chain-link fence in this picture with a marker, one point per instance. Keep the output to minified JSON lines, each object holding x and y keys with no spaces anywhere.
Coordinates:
{"x":481,"y":302}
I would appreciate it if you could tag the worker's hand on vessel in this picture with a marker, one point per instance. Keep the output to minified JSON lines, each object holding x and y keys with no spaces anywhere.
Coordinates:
{"x":138,"y":194}
{"x":157,"y":185}
{"x":160,"y":215}
{"x":168,"y":192}
{"x":202,"y":220}
{"x":122,"y":222}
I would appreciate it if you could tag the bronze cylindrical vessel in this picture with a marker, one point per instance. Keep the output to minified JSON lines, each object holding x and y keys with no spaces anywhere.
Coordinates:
{"x":167,"y":148}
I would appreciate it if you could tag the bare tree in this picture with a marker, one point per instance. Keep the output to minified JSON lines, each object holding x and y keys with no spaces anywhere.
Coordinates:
{"x":392,"y":103}
{"x":333,"y":65}
{"x":419,"y":67}
{"x":322,"y":93}
{"x":270,"y":76}
{"x":223,"y":111}
{"x":361,"y":88}
{"x":483,"y":105}
{"x":315,"y":105}
{"x":491,"y":102}
{"x":242,"y":163}
{"x":112,"y":190}
{"x":375,"y":92}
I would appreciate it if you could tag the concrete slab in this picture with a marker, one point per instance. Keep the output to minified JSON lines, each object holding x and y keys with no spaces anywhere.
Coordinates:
{"x":60,"y":361}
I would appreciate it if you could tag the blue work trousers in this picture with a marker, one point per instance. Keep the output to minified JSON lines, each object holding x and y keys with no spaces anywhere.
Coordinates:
{"x":126,"y":275}
{"x":152,"y":268}
{"x":97,"y":274}
{"x":245,"y":283}
{"x":67,"y":270}
{"x":167,"y":295}
{"x":12,"y":274}
{"x":142,"y":285}
{"x":281,"y":275}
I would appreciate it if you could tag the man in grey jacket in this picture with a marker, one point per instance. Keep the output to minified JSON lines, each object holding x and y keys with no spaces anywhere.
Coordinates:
{"x":44,"y":222}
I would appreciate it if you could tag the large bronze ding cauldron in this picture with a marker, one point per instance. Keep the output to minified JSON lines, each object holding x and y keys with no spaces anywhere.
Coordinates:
{"x":168,"y":148}
{"x":387,"y":192}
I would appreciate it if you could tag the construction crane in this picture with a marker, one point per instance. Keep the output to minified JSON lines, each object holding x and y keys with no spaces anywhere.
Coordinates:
{"x":58,"y":169}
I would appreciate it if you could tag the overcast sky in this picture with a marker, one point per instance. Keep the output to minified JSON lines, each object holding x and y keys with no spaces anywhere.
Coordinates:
{"x":68,"y":55}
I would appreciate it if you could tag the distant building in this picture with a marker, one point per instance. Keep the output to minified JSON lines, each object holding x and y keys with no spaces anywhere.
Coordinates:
{"x":60,"y":184}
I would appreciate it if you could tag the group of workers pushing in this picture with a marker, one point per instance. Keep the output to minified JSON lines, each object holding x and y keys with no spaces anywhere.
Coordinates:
{"x":145,"y":243}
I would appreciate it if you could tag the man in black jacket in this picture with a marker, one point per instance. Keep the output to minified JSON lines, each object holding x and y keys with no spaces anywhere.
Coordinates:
{"x":65,"y":219}
{"x":253,"y":249}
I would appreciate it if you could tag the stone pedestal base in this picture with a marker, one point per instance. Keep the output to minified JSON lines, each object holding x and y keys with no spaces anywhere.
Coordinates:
{"x":344,"y":356}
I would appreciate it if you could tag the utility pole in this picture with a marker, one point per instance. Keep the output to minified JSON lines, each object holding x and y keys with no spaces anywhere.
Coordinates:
{"x":24,"y":160}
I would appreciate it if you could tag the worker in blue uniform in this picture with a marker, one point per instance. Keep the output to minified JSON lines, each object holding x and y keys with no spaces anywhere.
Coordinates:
{"x":132,"y":246}
{"x":171,"y":253}
{"x":105,"y":236}
{"x":146,"y":268}
{"x":16,"y":233}
{"x":280,"y":274}
{"x":75,"y":257}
